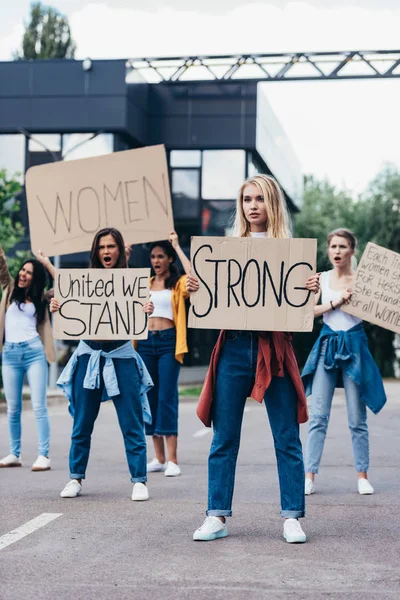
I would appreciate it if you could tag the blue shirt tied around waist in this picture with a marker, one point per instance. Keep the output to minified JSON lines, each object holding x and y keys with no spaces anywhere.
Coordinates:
{"x":92,"y":377}
{"x":348,"y":350}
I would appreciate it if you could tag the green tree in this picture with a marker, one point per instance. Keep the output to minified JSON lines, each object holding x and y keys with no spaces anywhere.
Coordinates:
{"x":11,"y":230}
{"x":47,"y":35}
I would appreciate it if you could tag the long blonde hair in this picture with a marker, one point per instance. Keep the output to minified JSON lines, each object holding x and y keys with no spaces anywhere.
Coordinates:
{"x":278,"y":220}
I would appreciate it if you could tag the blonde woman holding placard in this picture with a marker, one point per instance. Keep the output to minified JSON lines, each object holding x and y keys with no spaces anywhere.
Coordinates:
{"x":340,"y":358}
{"x":260,"y":364}
{"x":102,"y":370}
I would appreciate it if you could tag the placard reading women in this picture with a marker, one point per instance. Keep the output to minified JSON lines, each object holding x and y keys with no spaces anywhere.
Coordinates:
{"x":101,"y":304}
{"x":376,"y":288}
{"x":68,"y":202}
{"x":252,"y":284}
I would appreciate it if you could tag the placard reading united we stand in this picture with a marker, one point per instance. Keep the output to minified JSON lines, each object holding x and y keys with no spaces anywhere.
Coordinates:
{"x":376,"y":288}
{"x":252,"y":284}
{"x":101,"y":304}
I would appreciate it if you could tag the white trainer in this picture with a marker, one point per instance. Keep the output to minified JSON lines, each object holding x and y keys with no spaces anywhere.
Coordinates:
{"x":42,"y":463}
{"x":172,"y":470}
{"x":10,"y":461}
{"x":293,"y":533}
{"x":140,"y":492}
{"x":72,"y":489}
{"x":309,"y":487}
{"x":212,"y":529}
{"x":364,"y":487}
{"x":156,"y":467}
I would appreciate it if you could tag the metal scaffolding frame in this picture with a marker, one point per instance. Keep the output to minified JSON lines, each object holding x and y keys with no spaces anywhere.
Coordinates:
{"x":288,"y":66}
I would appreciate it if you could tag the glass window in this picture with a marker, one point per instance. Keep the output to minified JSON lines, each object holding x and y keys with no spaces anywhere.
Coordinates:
{"x":40,"y":142}
{"x":223,"y":173}
{"x":254,"y":166}
{"x":80,"y":145}
{"x":185,"y":158}
{"x":217,"y":218}
{"x":12,"y":155}
{"x":186,"y":193}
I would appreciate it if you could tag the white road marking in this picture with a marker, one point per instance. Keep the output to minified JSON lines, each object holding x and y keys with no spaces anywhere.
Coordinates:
{"x":30,"y":527}
{"x":202,"y":432}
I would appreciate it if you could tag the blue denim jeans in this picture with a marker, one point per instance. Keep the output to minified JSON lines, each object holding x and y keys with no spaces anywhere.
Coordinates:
{"x":235,"y":377}
{"x":19,"y":359}
{"x":129,"y":411}
{"x":158,"y":353}
{"x":323,"y":388}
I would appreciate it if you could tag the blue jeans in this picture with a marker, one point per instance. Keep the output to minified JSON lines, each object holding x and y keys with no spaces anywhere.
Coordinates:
{"x":323,"y":387}
{"x":235,"y":378}
{"x":19,"y":359}
{"x":158,"y":353}
{"x":129,"y":411}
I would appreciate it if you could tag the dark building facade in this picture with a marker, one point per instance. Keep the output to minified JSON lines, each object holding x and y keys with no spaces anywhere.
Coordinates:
{"x":216,"y":134}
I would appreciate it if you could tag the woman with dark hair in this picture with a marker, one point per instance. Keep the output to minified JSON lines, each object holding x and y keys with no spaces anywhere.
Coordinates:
{"x":164,"y":349}
{"x":340,"y":358}
{"x":28,"y":346}
{"x":100,"y":370}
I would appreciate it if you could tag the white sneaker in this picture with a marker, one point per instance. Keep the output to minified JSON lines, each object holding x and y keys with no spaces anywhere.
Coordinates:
{"x":140,"y":492}
{"x":309,"y":487}
{"x":172,"y":470}
{"x":155,"y":466}
{"x":72,"y":489}
{"x":211,"y":529}
{"x":293,"y":533}
{"x":42,"y":463}
{"x":10,"y":461}
{"x":364,"y":487}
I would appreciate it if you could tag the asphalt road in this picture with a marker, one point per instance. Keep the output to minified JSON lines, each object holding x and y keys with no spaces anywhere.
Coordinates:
{"x":104,"y":546}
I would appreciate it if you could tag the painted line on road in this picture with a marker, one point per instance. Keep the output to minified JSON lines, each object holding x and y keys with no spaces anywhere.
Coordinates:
{"x":202,"y":432}
{"x":29,"y":527}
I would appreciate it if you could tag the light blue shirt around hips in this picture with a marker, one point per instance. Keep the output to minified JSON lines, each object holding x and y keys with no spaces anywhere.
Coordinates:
{"x":92,"y":377}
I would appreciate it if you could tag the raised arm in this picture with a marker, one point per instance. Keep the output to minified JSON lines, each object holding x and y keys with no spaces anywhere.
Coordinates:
{"x":46,"y":262}
{"x":320,"y":309}
{"x":173,"y":238}
{"x":5,"y":277}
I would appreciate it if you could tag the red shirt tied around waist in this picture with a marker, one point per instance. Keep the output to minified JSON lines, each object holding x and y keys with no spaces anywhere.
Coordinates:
{"x":268,"y":369}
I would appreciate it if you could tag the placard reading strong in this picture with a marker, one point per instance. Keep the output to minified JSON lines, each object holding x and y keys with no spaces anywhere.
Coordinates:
{"x":101,"y":304}
{"x":252,"y":284}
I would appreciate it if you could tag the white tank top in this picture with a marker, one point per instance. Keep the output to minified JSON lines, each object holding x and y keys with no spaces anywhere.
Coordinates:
{"x":21,"y":324}
{"x":162,"y":300}
{"x":336,"y":319}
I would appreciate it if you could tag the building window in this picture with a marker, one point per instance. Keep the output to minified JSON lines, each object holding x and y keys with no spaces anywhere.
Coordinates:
{"x":12,"y":156}
{"x":43,"y":142}
{"x":185,"y":158}
{"x":223,"y":173}
{"x":217,"y":217}
{"x":80,"y":145}
{"x":186,"y":193}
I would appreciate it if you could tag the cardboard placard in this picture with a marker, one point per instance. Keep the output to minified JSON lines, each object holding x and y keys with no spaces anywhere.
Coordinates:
{"x":101,"y":304}
{"x":68,"y":202}
{"x":252,"y":284}
{"x":376,"y":288}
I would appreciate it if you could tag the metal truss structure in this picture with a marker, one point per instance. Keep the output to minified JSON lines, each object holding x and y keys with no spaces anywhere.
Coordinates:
{"x":289,"y":66}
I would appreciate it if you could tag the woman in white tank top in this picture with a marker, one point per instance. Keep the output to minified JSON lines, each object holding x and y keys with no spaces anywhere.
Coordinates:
{"x":164,"y":349}
{"x":340,"y":353}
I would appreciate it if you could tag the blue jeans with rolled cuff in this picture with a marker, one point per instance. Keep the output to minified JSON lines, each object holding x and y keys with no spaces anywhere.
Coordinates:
{"x":20,"y":358}
{"x":127,"y":405}
{"x":158,"y":354}
{"x":235,"y":378}
{"x":323,"y":388}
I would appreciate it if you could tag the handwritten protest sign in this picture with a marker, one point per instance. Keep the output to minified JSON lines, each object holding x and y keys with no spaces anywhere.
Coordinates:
{"x":101,"y":304}
{"x":68,"y":202}
{"x":252,"y":284}
{"x":376,"y":288}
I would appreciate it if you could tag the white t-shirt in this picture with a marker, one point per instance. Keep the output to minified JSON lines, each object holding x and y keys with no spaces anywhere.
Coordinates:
{"x":258,"y":234}
{"x":162,"y":300}
{"x":336,"y":319}
{"x":21,"y":323}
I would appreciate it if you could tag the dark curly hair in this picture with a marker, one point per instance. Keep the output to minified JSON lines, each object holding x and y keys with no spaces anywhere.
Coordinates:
{"x":35,"y":292}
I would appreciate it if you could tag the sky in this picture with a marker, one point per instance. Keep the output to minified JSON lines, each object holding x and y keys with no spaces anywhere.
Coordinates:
{"x":345,"y":131}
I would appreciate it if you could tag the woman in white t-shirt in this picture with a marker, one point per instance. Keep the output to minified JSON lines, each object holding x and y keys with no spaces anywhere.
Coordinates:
{"x":340,"y":357}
